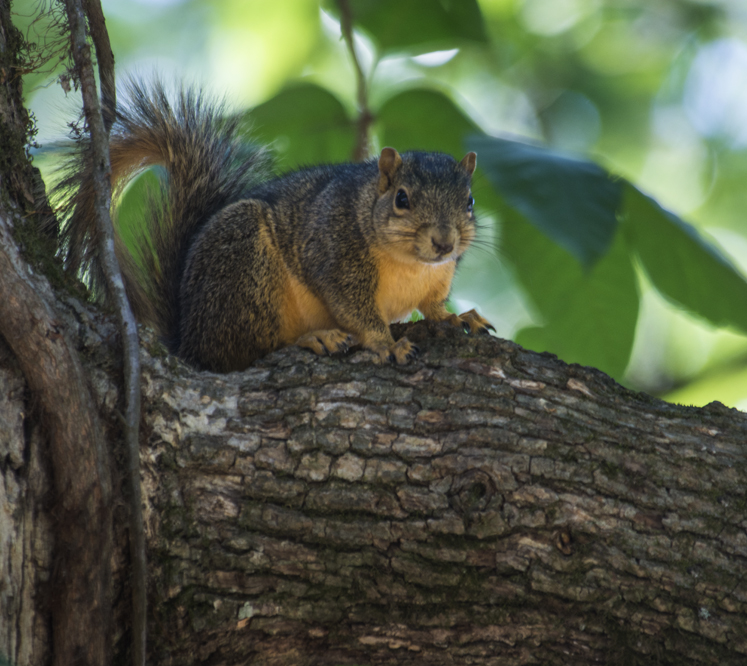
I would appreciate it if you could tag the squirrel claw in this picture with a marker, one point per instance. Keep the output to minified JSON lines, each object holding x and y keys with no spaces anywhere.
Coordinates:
{"x":472,"y":322}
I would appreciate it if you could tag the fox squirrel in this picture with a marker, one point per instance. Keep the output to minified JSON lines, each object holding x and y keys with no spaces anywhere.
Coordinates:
{"x":232,"y":263}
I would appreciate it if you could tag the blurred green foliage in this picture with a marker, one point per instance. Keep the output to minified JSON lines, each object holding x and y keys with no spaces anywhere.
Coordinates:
{"x":305,"y":124}
{"x":417,"y":26}
{"x":576,"y":109}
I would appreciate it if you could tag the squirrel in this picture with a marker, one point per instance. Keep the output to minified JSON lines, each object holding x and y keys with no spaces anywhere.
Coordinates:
{"x":232,"y":262}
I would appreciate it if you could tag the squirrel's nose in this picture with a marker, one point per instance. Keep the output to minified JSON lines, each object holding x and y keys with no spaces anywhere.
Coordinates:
{"x":442,"y":248}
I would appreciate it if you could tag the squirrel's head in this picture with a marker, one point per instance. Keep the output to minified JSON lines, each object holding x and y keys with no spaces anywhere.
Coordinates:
{"x":423,"y":210}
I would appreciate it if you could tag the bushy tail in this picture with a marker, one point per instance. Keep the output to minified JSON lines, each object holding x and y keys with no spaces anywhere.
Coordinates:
{"x":207,"y":166}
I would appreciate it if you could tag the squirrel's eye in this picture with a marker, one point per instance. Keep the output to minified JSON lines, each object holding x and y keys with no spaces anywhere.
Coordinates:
{"x":401,"y":200}
{"x":470,"y":204}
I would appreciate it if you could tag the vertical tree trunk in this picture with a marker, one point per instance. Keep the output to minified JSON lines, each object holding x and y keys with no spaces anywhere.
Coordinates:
{"x":26,"y":537}
{"x":79,"y":493}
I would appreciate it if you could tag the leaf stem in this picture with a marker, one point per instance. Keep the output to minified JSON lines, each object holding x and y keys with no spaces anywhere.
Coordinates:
{"x":365,"y":117}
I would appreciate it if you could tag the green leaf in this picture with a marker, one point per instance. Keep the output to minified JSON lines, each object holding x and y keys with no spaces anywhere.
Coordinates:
{"x":589,"y":315}
{"x":418,"y":26}
{"x":573,"y":201}
{"x":682,"y":265}
{"x":306,"y":124}
{"x":422,"y":119}
{"x":132,"y":206}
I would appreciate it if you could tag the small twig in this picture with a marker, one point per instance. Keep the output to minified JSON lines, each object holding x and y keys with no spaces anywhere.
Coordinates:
{"x":365,"y":117}
{"x":127,"y":325}
{"x":104,"y":59}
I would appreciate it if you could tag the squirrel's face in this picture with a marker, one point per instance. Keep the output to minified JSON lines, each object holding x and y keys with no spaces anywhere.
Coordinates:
{"x":424,"y":211}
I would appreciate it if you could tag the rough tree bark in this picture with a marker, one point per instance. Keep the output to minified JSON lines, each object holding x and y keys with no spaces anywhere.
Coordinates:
{"x":484,"y":504}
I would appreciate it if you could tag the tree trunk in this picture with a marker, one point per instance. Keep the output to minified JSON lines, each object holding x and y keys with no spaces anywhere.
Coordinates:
{"x":55,"y":524}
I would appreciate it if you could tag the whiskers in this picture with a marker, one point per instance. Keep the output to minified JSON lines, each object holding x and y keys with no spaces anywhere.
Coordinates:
{"x":482,"y":238}
{"x":394,"y":236}
{"x":479,"y":237}
{"x":482,"y":245}
{"x":487,"y":232}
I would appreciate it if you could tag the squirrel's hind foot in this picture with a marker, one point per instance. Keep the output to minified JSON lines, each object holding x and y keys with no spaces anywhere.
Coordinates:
{"x":327,"y":342}
{"x":401,"y":352}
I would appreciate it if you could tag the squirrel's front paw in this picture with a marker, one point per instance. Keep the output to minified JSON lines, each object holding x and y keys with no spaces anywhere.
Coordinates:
{"x":472,"y":322}
{"x":400,"y":352}
{"x":327,"y":342}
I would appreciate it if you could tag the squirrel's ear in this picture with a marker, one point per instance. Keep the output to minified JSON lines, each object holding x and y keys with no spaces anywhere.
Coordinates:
{"x":389,"y":162}
{"x":469,"y":162}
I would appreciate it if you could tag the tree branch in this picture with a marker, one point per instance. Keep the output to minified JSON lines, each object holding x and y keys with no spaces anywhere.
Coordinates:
{"x":127,"y":324}
{"x":481,"y":505}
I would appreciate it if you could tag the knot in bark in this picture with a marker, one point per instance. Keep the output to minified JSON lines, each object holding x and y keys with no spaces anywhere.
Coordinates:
{"x":471,"y":492}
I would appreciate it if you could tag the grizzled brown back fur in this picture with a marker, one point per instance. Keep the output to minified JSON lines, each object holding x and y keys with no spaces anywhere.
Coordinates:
{"x":208,"y":167}
{"x":233,"y":265}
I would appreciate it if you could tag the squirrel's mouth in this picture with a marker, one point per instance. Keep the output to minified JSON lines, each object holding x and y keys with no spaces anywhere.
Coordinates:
{"x":442,"y":261}
{"x":439,"y":260}
{"x":435,"y":251}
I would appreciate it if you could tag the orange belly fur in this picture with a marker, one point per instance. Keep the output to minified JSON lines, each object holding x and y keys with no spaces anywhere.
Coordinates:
{"x":405,"y":285}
